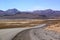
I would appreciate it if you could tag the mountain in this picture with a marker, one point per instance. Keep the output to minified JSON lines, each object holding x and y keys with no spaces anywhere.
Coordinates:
{"x":2,"y":13}
{"x":48,"y":13}
{"x":37,"y":14}
{"x":11,"y":11}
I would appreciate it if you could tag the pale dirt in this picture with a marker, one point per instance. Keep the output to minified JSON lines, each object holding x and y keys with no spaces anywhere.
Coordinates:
{"x":8,"y":34}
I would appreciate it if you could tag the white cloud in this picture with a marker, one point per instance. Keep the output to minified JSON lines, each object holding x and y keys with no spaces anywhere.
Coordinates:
{"x":36,"y":8}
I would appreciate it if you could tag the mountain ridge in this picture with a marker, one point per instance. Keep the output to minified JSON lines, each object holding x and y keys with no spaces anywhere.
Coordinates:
{"x":37,"y":14}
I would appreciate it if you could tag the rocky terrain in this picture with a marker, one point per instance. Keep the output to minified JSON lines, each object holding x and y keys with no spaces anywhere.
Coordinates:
{"x":37,"y":34}
{"x":49,"y":32}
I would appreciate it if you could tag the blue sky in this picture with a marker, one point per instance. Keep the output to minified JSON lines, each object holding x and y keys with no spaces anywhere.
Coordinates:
{"x":30,"y":5}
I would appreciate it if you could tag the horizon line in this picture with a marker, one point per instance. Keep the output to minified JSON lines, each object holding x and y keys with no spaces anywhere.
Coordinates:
{"x":32,"y":9}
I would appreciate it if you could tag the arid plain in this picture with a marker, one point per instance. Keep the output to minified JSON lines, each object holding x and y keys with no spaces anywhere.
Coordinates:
{"x":15,"y":23}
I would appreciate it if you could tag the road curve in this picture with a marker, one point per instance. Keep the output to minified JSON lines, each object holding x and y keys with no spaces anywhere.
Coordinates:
{"x":8,"y":34}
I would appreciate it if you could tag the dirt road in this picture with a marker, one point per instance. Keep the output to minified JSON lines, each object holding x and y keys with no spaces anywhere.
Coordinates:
{"x":8,"y":34}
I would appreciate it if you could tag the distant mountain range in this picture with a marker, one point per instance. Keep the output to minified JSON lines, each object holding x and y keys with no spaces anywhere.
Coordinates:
{"x":37,"y":14}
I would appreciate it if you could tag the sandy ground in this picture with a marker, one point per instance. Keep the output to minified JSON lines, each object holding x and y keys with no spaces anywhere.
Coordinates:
{"x":37,"y":34}
{"x":8,"y":34}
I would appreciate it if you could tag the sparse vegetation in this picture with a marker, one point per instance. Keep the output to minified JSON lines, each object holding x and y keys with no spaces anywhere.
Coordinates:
{"x":53,"y":25}
{"x":15,"y":23}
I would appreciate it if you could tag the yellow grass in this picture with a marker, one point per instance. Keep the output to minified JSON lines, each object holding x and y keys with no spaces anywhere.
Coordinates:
{"x":53,"y":25}
{"x":15,"y":23}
